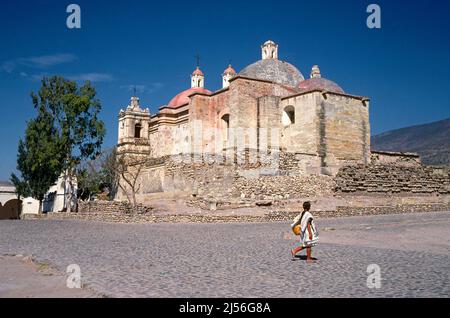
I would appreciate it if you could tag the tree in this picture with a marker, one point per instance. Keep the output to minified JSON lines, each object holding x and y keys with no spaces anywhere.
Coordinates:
{"x":74,"y":113}
{"x":89,"y":181}
{"x":39,"y":159}
{"x":21,"y":186}
{"x":128,"y":169}
{"x":110,"y":173}
{"x":98,"y":175}
{"x":22,"y":190}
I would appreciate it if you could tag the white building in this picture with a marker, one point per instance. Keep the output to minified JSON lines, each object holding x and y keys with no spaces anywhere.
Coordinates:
{"x":7,"y":192}
{"x":54,"y":200}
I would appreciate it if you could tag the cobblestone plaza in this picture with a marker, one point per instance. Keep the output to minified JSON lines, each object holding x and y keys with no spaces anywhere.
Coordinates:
{"x":243,"y":260}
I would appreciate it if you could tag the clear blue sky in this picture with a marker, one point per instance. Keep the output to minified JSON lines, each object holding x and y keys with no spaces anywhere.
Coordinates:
{"x":404,"y":67}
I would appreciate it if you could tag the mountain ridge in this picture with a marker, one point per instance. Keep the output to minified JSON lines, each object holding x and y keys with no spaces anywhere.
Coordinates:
{"x":431,"y":141}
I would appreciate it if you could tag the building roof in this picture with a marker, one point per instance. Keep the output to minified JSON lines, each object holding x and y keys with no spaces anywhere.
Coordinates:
{"x":6,"y":184}
{"x":274,"y":70}
{"x":183,"y":97}
{"x":321,"y":84}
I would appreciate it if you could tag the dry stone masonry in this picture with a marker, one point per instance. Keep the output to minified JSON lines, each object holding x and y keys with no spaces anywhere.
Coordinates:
{"x":390,"y":178}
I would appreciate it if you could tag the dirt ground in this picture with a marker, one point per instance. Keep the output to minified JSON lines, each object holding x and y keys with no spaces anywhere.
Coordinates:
{"x":20,"y":277}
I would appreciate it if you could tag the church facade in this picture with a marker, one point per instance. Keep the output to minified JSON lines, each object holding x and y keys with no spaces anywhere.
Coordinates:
{"x":309,"y":125}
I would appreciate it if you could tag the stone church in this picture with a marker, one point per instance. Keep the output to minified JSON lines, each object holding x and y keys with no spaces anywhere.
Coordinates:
{"x":309,"y":125}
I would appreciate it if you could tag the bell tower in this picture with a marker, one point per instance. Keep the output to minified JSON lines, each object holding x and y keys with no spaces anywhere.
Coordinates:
{"x":227,"y":75}
{"x":197,"y":79}
{"x":133,"y":136}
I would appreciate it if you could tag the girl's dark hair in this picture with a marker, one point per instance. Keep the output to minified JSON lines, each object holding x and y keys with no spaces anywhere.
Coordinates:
{"x":306,"y":205}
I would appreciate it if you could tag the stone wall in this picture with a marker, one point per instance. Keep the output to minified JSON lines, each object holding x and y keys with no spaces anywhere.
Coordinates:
{"x":249,"y":180}
{"x":224,"y":182}
{"x":392,"y":178}
{"x":111,"y":207}
{"x":284,"y":187}
{"x":346,"y":129}
{"x":269,"y":216}
{"x":396,"y":158}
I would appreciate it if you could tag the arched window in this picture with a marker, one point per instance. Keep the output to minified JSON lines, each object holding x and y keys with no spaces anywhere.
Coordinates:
{"x":225,"y":123}
{"x":288,"y":117}
{"x":137,"y":130}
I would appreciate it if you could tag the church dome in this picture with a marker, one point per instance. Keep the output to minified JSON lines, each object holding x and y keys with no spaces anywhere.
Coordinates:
{"x":183,"y":97}
{"x":274,"y":70}
{"x":270,"y":68}
{"x":318,"y":82}
{"x":321,"y":84}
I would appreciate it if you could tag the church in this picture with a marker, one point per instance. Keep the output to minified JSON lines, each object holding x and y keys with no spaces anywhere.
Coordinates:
{"x":309,"y":125}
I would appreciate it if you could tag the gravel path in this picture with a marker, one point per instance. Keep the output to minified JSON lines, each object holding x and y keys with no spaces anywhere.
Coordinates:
{"x":244,"y":260}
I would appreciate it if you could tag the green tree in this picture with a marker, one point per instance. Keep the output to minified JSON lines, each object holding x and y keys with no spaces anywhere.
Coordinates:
{"x":74,"y":112}
{"x":21,"y":186}
{"x":39,"y":159}
{"x":22,"y":190}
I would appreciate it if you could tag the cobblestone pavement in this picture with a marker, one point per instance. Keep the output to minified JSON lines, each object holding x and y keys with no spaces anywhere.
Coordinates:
{"x":244,"y":260}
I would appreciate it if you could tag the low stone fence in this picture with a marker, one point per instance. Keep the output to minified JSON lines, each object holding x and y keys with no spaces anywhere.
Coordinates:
{"x":112,"y":207}
{"x":115,"y":216}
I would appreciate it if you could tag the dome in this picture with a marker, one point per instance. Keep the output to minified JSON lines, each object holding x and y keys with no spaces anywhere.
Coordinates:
{"x":321,"y":84}
{"x":269,"y":42}
{"x":318,"y":82}
{"x":183,"y":97}
{"x":274,"y":70}
{"x":197,"y":72}
{"x":230,"y":70}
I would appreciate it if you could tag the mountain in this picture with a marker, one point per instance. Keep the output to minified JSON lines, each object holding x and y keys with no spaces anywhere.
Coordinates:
{"x":431,"y":141}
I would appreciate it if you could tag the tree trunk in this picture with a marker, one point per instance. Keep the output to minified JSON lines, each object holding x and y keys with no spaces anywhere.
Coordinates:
{"x":134,"y":199}
{"x":71,"y":197}
{"x":40,"y":207}
{"x":69,"y":193}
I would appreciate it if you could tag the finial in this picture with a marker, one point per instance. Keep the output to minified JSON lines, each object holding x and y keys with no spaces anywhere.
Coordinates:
{"x":315,"y":72}
{"x":134,"y":103}
{"x":197,"y":57}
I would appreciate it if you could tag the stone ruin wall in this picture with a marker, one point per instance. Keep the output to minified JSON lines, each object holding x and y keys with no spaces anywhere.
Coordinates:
{"x":391,"y":173}
{"x":210,"y":181}
{"x":221,"y":181}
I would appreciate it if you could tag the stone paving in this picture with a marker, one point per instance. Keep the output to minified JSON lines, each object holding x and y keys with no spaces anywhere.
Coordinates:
{"x":244,"y":260}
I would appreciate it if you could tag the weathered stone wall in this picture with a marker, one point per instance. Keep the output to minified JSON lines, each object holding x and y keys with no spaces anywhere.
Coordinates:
{"x":301,"y":136}
{"x":391,"y":178}
{"x":344,"y":131}
{"x":335,"y":128}
{"x":169,"y":138}
{"x":279,"y":176}
{"x":396,"y":158}
{"x":111,"y":207}
{"x":269,"y":216}
{"x":283,"y":187}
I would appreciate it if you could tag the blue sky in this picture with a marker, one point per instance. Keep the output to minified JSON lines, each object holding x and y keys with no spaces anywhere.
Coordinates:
{"x":404,"y":67}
